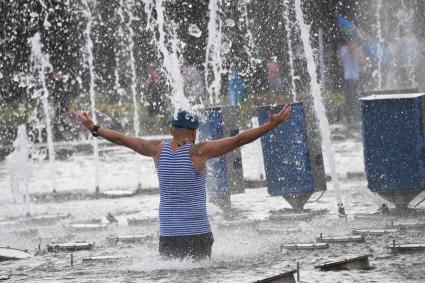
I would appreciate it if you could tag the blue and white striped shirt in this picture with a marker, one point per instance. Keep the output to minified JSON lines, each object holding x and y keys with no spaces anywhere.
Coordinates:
{"x":182,"y":206}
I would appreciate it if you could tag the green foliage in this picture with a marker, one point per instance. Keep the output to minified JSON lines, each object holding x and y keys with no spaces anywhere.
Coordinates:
{"x":334,"y":102}
{"x":11,"y":116}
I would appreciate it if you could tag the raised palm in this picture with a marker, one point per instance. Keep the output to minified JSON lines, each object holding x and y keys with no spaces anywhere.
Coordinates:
{"x":283,"y":114}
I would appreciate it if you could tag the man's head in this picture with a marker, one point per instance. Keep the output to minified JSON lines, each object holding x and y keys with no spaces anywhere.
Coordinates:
{"x":151,"y":69}
{"x":352,"y":45}
{"x":184,"y":125}
{"x":183,"y":119}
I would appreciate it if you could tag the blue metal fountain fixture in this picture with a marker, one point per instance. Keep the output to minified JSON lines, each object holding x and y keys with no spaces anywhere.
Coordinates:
{"x":393,"y":138}
{"x":224,"y":174}
{"x":292,"y":156}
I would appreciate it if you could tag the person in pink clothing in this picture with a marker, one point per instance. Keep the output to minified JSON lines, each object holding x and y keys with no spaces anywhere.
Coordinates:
{"x":274,"y":78}
{"x":151,"y":89}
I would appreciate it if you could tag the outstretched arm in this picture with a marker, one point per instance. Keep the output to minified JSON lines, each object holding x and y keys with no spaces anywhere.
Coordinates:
{"x":144,"y":147}
{"x":216,"y":148}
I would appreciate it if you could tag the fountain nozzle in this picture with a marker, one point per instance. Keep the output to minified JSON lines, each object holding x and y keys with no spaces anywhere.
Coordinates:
{"x":341,"y":210}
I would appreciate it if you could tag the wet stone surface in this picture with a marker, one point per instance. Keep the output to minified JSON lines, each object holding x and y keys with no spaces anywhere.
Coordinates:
{"x":247,"y":242}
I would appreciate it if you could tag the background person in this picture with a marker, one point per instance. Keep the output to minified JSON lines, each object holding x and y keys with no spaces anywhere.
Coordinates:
{"x":194,"y":86}
{"x":61,"y":100}
{"x":274,"y":75}
{"x":350,"y":57}
{"x":235,"y":87}
{"x":151,"y":90}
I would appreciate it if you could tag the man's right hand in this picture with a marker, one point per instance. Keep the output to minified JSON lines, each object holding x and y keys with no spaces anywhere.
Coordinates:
{"x":85,"y":119}
{"x":151,"y":147}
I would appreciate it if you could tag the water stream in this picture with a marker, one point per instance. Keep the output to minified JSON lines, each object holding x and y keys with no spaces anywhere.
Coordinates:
{"x":136,"y":119}
{"x":317,"y":99}
{"x":169,"y":49}
{"x":41,"y":64}
{"x":213,"y":58}
{"x":288,"y":28}
{"x":90,"y":59}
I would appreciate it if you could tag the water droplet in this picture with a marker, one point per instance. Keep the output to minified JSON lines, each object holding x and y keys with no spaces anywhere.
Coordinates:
{"x":230,"y":23}
{"x":194,"y":30}
{"x":226,"y":46}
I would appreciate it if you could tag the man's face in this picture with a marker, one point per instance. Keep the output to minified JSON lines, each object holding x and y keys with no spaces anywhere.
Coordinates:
{"x":151,"y":70}
{"x":352,"y":45}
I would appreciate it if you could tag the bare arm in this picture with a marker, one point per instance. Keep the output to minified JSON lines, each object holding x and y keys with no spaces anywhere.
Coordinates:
{"x":216,"y":148}
{"x":144,"y":147}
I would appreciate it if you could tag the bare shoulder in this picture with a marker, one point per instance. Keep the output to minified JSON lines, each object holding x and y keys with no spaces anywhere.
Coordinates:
{"x":214,"y":148}
{"x":152,"y":143}
{"x":154,"y":146}
{"x":147,"y":147}
{"x":199,"y":149}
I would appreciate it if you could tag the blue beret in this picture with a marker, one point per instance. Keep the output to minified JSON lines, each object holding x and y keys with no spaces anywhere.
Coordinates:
{"x":184,"y":119}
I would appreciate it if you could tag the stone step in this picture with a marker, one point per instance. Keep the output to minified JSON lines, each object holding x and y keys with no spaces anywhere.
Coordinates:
{"x":70,"y":247}
{"x":342,"y":239}
{"x":374,"y":232}
{"x":361,"y":262}
{"x":305,"y":246}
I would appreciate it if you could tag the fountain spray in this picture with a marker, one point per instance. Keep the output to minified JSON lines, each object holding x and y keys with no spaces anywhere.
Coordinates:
{"x":170,"y":59}
{"x":379,"y":50}
{"x":288,"y":29}
{"x":40,"y":63}
{"x":317,"y":101}
{"x":118,"y":52}
{"x":322,"y":59}
{"x":136,"y":120}
{"x":251,"y":49}
{"x":167,"y":47}
{"x":90,"y":59}
{"x":213,"y":58}
{"x":19,"y":168}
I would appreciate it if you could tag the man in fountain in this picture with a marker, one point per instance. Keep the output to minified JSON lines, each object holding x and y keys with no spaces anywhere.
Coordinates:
{"x":184,"y":227}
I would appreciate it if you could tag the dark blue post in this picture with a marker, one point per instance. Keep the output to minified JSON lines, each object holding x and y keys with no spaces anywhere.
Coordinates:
{"x":292,"y":157}
{"x":393,"y":139}
{"x":224,"y":174}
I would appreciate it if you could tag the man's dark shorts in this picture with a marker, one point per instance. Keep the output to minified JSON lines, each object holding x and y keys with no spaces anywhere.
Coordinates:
{"x":194,"y":246}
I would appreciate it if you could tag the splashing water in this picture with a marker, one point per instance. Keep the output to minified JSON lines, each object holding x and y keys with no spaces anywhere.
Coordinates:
{"x":213,"y":58}
{"x":380,"y":42}
{"x":131,"y":18}
{"x":194,"y":30}
{"x":40,"y":64}
{"x":19,"y":169}
{"x":251,"y":49}
{"x":136,"y":120}
{"x":170,"y":59}
{"x":89,"y":46}
{"x":118,"y":88}
{"x":322,"y":60}
{"x":149,"y":6}
{"x":288,"y":25}
{"x":167,"y":45}
{"x":317,"y":99}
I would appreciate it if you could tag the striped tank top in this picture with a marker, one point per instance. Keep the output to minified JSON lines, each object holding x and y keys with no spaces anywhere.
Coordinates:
{"x":182,"y":205}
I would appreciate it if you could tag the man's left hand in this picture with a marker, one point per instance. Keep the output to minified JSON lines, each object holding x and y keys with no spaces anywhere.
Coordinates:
{"x":85,"y":119}
{"x":276,"y":119}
